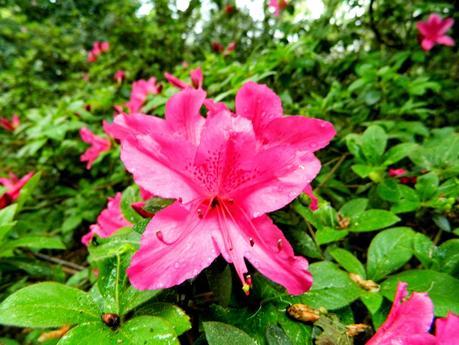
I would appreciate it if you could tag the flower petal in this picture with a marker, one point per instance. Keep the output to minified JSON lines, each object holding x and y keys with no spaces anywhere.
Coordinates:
{"x":447,"y":330}
{"x":427,"y":44}
{"x":258,"y":103}
{"x":408,"y":321}
{"x":183,"y":116}
{"x":446,"y":40}
{"x":174,"y":81}
{"x":157,"y":264}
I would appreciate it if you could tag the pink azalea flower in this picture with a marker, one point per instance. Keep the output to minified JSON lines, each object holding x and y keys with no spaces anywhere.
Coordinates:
{"x":98,"y":145}
{"x":314,"y":201}
{"x":230,"y":48}
{"x":119,"y":76}
{"x":109,"y":221}
{"x":92,"y":57}
{"x":104,"y":46}
{"x":226,"y":171}
{"x":408,"y":322}
{"x":433,"y":31}
{"x":278,"y":6}
{"x":397,"y":172}
{"x":10,"y":125}
{"x":140,"y":90}
{"x":196,"y":79}
{"x":447,"y":330}
{"x":13,"y":186}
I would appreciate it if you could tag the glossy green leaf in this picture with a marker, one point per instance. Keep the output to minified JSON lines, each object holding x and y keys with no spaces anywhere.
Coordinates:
{"x":348,"y":261}
{"x":373,"y":220}
{"x":145,"y":330}
{"x":48,"y":305}
{"x":218,"y":333}
{"x":389,"y":250}
{"x":276,"y":336}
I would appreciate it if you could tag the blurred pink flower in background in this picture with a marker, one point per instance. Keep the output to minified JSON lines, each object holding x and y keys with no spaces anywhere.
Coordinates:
{"x":10,"y":125}
{"x":13,"y":186}
{"x":98,"y":145}
{"x":447,"y":330}
{"x":140,"y":90}
{"x":196,"y":79}
{"x":397,"y":172}
{"x":97,"y":49}
{"x":433,"y":31}
{"x":226,"y":171}
{"x":119,"y":76}
{"x":109,"y":221}
{"x":278,"y":6}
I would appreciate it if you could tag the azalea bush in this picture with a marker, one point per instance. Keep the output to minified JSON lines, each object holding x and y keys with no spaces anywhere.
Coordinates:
{"x":220,"y":174}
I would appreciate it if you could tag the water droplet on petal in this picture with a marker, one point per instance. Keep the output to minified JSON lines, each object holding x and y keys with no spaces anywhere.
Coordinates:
{"x":177,"y":265}
{"x":301,"y":166}
{"x":279,"y":244}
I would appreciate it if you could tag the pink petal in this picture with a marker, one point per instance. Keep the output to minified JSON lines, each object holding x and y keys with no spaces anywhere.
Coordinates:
{"x":273,"y":256}
{"x":397,"y":172}
{"x":183,"y":116}
{"x":259,"y":104}
{"x":160,"y":164}
{"x":446,"y":24}
{"x":98,"y":145}
{"x":86,"y":239}
{"x":314,"y":201}
{"x":427,"y":44}
{"x":174,"y":81}
{"x":434,"y":20}
{"x":196,"y":78}
{"x":447,"y":330}
{"x":14,"y":185}
{"x":176,"y":246}
{"x":445,"y":40}
{"x":408,"y":321}
{"x":423,"y":28}
{"x":128,"y":126}
{"x":214,"y":107}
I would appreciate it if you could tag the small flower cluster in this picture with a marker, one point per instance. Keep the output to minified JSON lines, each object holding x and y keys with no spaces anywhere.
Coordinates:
{"x":97,"y":49}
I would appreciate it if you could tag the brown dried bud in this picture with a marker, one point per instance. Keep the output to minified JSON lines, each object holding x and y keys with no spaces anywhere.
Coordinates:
{"x":368,"y":285}
{"x":56,"y":334}
{"x":353,"y":330}
{"x":343,"y":222}
{"x":304,"y":313}
{"x":111,"y":320}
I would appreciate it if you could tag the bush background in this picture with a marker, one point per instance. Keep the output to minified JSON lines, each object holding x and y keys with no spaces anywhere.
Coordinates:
{"x":359,"y":65}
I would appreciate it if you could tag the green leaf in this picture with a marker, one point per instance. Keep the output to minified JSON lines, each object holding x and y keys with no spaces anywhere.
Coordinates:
{"x":442,"y":288}
{"x":408,"y":200}
{"x":331,"y":289}
{"x":121,"y":242}
{"x":398,"y":152}
{"x":218,"y":333}
{"x":348,"y":261}
{"x":424,"y":249}
{"x":374,"y":141}
{"x":373,"y":220}
{"x":48,"y":305}
{"x":220,"y":282}
{"x":276,"y":336}
{"x":6,"y":220}
{"x":145,"y":330}
{"x":354,"y":207}
{"x":448,"y":254}
{"x":372,"y":300}
{"x":172,"y":314}
{"x":388,"y":190}
{"x":329,"y":235}
{"x":304,"y":244}
{"x":129,"y":196}
{"x":35,"y":242}
{"x":132,"y":298}
{"x":389,"y":250}
{"x":427,"y":185}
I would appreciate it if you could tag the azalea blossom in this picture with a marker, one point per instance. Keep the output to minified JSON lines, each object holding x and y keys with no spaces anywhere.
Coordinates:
{"x":408,"y":322}
{"x":433,"y":31}
{"x":10,"y":125}
{"x":196,"y":79}
{"x":13,"y":186}
{"x":226,"y":171}
{"x":109,"y":221}
{"x":140,"y":90}
{"x":447,"y":330}
{"x":97,"y":49}
{"x":397,"y":172}
{"x":98,"y":145}
{"x":231,"y":47}
{"x":278,"y":6}
{"x":119,"y":76}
